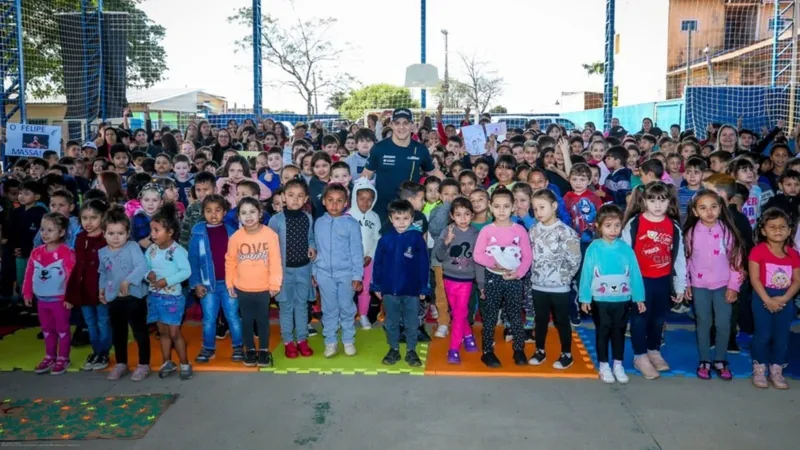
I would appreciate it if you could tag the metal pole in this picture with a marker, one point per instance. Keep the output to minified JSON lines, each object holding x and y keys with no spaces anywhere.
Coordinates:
{"x":423,"y":99}
{"x":257,"y":80}
{"x":23,"y":109}
{"x":103,"y":102}
{"x":85,"y":39}
{"x":775,"y":35}
{"x":608,"y":88}
{"x":689,"y":59}
{"x":446,"y":87}
{"x":793,"y":77}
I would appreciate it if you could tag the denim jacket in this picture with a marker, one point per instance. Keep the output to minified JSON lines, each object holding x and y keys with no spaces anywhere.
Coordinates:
{"x":200,"y":256}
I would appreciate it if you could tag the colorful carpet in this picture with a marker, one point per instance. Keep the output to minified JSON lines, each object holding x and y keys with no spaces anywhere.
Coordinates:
{"x":371,"y":347}
{"x":471,"y":365}
{"x":680,"y":352}
{"x":21,"y":350}
{"x":126,"y":417}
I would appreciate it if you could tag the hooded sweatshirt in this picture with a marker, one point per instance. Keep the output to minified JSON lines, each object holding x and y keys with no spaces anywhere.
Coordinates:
{"x":340,"y":253}
{"x":369,"y":220}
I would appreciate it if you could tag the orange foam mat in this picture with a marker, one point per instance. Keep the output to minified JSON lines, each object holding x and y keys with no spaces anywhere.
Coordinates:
{"x":471,"y":365}
{"x":194,"y":341}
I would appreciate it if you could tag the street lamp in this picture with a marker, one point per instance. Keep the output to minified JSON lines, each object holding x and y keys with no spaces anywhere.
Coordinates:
{"x":446,"y":85}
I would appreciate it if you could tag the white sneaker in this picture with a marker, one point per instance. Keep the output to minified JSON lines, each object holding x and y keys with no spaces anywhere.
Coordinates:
{"x":441,"y":332}
{"x":619,"y":373}
{"x":605,"y":374}
{"x":349,"y":350}
{"x":434,"y":312}
{"x":331,"y":350}
{"x":365,"y":324}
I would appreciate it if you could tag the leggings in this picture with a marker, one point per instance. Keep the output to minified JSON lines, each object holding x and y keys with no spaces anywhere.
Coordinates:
{"x":508,"y":295}
{"x":124,"y":311}
{"x":363,"y":296}
{"x":255,"y":308}
{"x":54,"y":318}
{"x":458,"y":293}
{"x":610,"y":322}
{"x":558,"y":303}
{"x":647,"y":327}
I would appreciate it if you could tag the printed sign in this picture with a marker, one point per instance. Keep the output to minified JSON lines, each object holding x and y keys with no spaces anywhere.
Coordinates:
{"x":32,"y":140}
{"x":498,"y":129}
{"x":474,"y":139}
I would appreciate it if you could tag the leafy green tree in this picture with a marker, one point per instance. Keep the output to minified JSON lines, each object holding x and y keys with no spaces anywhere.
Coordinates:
{"x":499,"y":109}
{"x":146,"y":60}
{"x":376,"y":96}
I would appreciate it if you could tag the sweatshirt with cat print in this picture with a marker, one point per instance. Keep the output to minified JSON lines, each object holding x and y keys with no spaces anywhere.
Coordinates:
{"x":47,"y":273}
{"x":507,"y":247}
{"x":610,"y":273}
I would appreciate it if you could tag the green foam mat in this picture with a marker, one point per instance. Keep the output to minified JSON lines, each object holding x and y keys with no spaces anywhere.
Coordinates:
{"x":371,"y":347}
{"x":21,"y":350}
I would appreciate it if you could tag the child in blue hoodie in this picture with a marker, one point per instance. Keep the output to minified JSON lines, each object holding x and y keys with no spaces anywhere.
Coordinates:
{"x":609,"y":280}
{"x":400,"y":279}
{"x":338,"y":269}
{"x":25,"y":223}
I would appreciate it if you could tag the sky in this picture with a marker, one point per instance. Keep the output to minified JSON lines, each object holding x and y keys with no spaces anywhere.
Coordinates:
{"x":537,"y":46}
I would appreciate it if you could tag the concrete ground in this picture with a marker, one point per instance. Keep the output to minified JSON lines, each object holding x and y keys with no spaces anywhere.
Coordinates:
{"x":266,"y":411}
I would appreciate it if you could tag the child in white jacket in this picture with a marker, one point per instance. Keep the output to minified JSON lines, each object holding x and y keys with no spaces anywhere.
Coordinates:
{"x":364,"y":198}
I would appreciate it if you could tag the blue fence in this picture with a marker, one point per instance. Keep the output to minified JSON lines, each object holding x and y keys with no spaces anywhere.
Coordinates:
{"x":663,"y":114}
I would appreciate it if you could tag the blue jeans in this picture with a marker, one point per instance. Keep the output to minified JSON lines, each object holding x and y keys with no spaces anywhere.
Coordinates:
{"x":646,"y":327}
{"x":211,"y":303}
{"x":293,"y":301}
{"x":396,"y":308}
{"x":99,"y":324}
{"x":338,"y":308}
{"x":772,"y":330}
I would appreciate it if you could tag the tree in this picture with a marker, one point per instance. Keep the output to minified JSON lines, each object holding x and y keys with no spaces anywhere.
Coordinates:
{"x":595,"y":68}
{"x":376,"y":96}
{"x":483,"y":85}
{"x":301,"y":50}
{"x":499,"y":109}
{"x":337,"y":99}
{"x":146,"y":59}
{"x":456,"y":97}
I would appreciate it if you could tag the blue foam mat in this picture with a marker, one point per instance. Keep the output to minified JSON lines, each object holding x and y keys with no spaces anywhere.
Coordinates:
{"x":680,"y":352}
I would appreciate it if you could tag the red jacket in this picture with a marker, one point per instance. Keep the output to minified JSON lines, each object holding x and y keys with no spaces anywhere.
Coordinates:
{"x":83,"y":286}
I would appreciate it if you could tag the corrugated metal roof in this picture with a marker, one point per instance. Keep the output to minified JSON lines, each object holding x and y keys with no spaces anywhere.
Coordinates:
{"x":148,"y":96}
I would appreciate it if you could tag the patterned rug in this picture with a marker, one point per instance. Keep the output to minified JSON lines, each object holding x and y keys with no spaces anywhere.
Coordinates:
{"x":125,"y":417}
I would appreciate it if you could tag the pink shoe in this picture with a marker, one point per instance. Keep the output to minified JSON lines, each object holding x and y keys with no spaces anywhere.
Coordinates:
{"x":141,"y":372}
{"x":704,"y":370}
{"x":657,"y":360}
{"x":722,"y":371}
{"x":760,"y":376}
{"x":61,"y":366}
{"x":645,"y":367}
{"x":776,"y":377}
{"x":45,"y":366}
{"x":117,"y":372}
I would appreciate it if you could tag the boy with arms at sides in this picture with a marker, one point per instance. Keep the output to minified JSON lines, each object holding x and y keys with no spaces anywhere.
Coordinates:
{"x":204,"y":184}
{"x":618,"y":182}
{"x":693,"y":174}
{"x":184,"y":179}
{"x":400,"y":279}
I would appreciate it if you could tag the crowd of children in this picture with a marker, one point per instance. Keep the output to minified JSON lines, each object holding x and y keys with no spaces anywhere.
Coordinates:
{"x":125,"y":232}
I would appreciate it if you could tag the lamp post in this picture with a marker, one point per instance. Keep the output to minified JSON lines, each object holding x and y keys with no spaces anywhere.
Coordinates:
{"x":446,"y":85}
{"x":688,"y":26}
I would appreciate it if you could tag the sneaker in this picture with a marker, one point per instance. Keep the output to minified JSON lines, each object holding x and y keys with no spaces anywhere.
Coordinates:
{"x":529,"y":339}
{"x":722,"y":371}
{"x":101,"y":363}
{"x":331,"y":350}
{"x":312,"y":331}
{"x":434,"y":312}
{"x":141,"y":372}
{"x":186,"y":372}
{"x":539,"y":357}
{"x":40,"y":335}
{"x":60,"y":367}
{"x":575,"y":321}
{"x":250,"y":358}
{"x":305,"y":350}
{"x":519,"y":358}
{"x":563,"y":362}
{"x":349,"y":349}
{"x":657,"y":360}
{"x":645,"y":367}
{"x":222,"y":332}
{"x":391,"y":357}
{"x":507,"y":336}
{"x":760,"y":376}
{"x":423,"y":335}
{"x":45,"y":366}
{"x":238,"y":354}
{"x":490,"y":360}
{"x":619,"y":373}
{"x":775,"y":377}
{"x":205,"y":356}
{"x":119,"y":371}
{"x":733,"y":347}
{"x":469,"y":344}
{"x":290,"y":350}
{"x":605,"y":374}
{"x":704,"y":370}
{"x":365,"y":323}
{"x":441,"y":331}
{"x":264,"y":358}
{"x":453,"y":357}
{"x":412,"y":359}
{"x":90,"y":360}
{"x":167,"y":369}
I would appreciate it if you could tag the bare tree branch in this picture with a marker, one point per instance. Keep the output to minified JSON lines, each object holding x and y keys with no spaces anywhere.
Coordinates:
{"x":482,"y":85}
